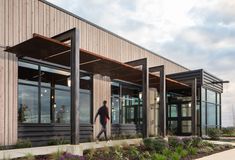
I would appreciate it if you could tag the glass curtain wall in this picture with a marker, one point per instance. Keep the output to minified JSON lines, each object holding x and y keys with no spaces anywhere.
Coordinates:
{"x":126,"y":104}
{"x":44,"y":94}
{"x":210,"y":110}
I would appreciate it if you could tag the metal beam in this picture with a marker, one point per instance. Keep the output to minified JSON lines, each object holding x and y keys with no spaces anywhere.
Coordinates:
{"x":162,"y":108}
{"x":145,"y":91}
{"x":73,"y":35}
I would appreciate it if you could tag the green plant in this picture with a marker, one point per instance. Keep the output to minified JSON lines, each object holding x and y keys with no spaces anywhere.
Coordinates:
{"x":58,"y":141}
{"x":90,"y":154}
{"x":214,"y":133}
{"x":23,"y":143}
{"x":175,"y":156}
{"x":174,"y":142}
{"x":118,"y":153}
{"x":180,"y":150}
{"x":167,"y":152}
{"x":196,"y":141}
{"x":157,"y":144}
{"x":145,"y":156}
{"x":192,"y":150}
{"x":29,"y":156}
{"x":133,"y":152}
{"x":229,"y":131}
{"x":157,"y":156}
{"x":56,"y":155}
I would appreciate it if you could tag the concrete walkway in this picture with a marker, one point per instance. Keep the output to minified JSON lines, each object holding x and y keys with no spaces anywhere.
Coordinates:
{"x":226,"y":155}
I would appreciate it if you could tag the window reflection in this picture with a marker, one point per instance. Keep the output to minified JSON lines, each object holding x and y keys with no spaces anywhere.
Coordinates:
{"x":45,"y":105}
{"x":47,"y":89}
{"x":85,"y":106}
{"x":126,"y":105}
{"x":62,"y":106}
{"x":28,"y":104}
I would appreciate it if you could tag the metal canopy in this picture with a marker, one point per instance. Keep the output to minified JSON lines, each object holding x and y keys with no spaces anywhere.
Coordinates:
{"x":48,"y":49}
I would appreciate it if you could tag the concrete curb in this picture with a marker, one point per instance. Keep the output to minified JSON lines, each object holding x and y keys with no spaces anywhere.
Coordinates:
{"x":74,"y":149}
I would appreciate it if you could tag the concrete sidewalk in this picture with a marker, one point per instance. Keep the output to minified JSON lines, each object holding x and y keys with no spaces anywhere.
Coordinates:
{"x":226,"y":155}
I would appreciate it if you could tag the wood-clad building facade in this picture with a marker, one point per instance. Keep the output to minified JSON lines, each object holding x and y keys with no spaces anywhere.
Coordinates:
{"x":20,"y":19}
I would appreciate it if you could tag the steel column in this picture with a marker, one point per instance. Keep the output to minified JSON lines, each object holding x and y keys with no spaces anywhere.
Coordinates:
{"x":162,"y":108}
{"x":73,"y":35}
{"x":145,"y":91}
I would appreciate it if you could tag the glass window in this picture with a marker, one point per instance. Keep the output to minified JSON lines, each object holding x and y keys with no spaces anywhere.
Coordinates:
{"x":218,"y":115}
{"x":203,"y":96}
{"x":186,"y":126}
{"x":218,"y":98}
{"x":62,"y":106}
{"x":211,"y":115}
{"x":115,"y":110}
{"x":173,"y":125}
{"x":211,"y":96}
{"x":51,"y":77}
{"x":85,"y":106}
{"x":203,"y":117}
{"x":45,"y":105}
{"x":173,"y":112}
{"x":27,"y":104}
{"x":28,"y":73}
{"x":186,"y":110}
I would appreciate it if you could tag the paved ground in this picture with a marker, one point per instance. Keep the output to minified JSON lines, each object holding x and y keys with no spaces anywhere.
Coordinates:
{"x":226,"y":155}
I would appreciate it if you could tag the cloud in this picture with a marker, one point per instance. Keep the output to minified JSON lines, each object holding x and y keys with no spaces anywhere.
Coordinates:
{"x":196,"y":34}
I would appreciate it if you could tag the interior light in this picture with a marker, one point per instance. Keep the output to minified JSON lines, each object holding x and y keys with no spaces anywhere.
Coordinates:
{"x":45,"y":91}
{"x":69,"y":82}
{"x":140,"y":95}
{"x":189,"y":104}
{"x":158,"y":99}
{"x":54,"y":105}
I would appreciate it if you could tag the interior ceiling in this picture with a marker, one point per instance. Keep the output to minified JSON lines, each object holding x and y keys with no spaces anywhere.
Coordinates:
{"x":47,"y":49}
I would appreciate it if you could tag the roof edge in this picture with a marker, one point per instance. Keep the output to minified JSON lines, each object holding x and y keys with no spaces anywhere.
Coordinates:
{"x":106,"y":30}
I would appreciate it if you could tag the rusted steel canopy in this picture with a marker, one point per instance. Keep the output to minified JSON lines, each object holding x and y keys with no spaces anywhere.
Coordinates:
{"x":48,"y":49}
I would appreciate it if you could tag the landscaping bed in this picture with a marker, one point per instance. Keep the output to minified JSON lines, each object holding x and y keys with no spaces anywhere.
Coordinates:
{"x":151,"y":149}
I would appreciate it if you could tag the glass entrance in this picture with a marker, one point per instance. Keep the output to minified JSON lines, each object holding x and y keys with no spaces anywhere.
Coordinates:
{"x":179,"y":118}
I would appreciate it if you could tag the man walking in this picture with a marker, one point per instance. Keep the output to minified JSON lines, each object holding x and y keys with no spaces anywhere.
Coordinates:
{"x":104,"y":117}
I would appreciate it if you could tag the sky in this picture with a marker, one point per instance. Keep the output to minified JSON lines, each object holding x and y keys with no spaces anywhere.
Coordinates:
{"x":196,"y":34}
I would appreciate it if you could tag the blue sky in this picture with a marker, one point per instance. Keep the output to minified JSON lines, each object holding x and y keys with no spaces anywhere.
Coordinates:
{"x":196,"y":34}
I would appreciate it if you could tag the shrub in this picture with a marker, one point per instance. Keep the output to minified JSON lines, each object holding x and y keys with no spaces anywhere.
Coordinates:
{"x":174,"y":142}
{"x":167,"y":152}
{"x":157,"y":144}
{"x":196,"y":141}
{"x":214,"y":133}
{"x":229,"y":131}
{"x":145,"y":156}
{"x":187,"y":142}
{"x":23,"y":143}
{"x":157,"y":156}
{"x":192,"y":151}
{"x":180,"y":150}
{"x":133,"y":152}
{"x":29,"y":156}
{"x":69,"y":156}
{"x":58,"y":141}
{"x":175,"y":156}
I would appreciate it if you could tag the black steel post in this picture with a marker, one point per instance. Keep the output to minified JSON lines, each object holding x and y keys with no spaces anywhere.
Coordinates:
{"x":145,"y":91}
{"x":73,"y":35}
{"x":162,"y":108}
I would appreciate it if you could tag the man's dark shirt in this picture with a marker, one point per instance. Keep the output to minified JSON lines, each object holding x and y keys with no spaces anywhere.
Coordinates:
{"x":104,"y":115}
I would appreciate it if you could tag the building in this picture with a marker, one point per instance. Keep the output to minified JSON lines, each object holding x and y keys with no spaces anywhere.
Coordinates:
{"x":56,"y":69}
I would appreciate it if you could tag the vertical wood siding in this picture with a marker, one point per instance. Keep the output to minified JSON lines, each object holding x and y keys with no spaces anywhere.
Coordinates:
{"x":19,"y":19}
{"x":101,"y":91}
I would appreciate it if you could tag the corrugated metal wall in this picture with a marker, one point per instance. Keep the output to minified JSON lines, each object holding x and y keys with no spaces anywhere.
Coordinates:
{"x":19,"y":19}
